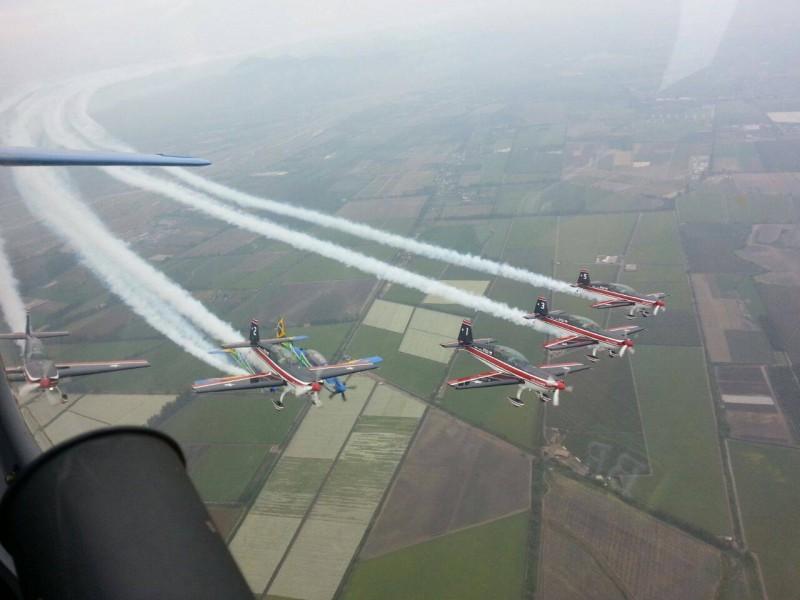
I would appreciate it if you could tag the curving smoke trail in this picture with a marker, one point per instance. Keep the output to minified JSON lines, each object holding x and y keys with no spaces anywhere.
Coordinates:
{"x":11,"y":302}
{"x":93,"y":131}
{"x":48,"y":194}
{"x":296,"y":239}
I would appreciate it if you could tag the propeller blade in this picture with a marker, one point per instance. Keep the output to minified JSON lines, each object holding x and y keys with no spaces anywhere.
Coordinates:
{"x":315,"y":399}
{"x":344,"y":397}
{"x":555,"y":397}
{"x":622,"y":351}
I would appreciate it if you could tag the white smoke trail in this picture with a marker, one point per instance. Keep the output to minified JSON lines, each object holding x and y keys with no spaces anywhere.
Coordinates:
{"x":47,"y":193}
{"x":299,"y":240}
{"x":11,"y":302}
{"x":93,"y":131}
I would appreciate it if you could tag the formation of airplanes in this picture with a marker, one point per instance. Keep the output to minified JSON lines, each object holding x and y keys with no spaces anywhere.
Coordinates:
{"x":510,"y":367}
{"x":278,"y":362}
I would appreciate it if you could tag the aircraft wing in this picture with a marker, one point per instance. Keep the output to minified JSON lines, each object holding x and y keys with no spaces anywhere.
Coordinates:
{"x":486,"y":379}
{"x":36,"y":157}
{"x":626,"y":329}
{"x":238,"y":382}
{"x":612,"y":304}
{"x":15,"y":374}
{"x":561,"y":369}
{"x":571,"y":341}
{"x":93,"y":368}
{"x":346,"y":368}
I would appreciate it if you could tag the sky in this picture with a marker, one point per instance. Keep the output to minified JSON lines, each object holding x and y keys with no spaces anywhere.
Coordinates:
{"x":46,"y":39}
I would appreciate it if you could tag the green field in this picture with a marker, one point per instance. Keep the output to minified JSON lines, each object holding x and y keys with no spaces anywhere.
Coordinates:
{"x":245,"y":418}
{"x":410,"y":373}
{"x":480,"y":562}
{"x":768,"y":491}
{"x":224,"y":471}
{"x":681,"y":438}
{"x":581,"y":238}
{"x":656,"y":241}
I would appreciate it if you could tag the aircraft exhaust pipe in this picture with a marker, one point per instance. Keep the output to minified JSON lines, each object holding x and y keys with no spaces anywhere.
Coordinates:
{"x":113,"y":514}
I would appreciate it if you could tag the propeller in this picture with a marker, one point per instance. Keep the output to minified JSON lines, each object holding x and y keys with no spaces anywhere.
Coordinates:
{"x":315,"y":388}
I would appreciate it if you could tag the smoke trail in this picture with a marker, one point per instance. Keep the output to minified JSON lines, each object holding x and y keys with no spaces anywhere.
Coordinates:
{"x":302,"y":241}
{"x":10,"y":300}
{"x":96,"y":133}
{"x":47,"y":193}
{"x":11,"y":303}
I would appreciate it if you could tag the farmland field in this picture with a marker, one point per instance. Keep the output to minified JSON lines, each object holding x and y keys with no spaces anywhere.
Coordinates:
{"x":769,"y":493}
{"x":681,"y":439}
{"x":597,"y":546}
{"x":476,"y":563}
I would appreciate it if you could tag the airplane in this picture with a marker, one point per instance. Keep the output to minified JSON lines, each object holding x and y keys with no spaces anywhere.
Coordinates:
{"x":510,"y":367}
{"x":622,"y":295}
{"x":38,"y":369}
{"x":584,"y":332}
{"x":299,"y":372}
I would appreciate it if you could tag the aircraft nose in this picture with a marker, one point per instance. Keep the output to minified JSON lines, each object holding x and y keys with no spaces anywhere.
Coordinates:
{"x":561,"y":385}
{"x":628,"y":342}
{"x":316,"y":386}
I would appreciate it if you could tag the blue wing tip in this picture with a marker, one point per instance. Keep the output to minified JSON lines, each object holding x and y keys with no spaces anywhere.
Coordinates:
{"x":374,"y":359}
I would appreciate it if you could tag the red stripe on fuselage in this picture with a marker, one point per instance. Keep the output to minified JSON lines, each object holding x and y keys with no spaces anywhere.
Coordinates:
{"x":283,"y":373}
{"x":496,"y":362}
{"x":585,"y":332}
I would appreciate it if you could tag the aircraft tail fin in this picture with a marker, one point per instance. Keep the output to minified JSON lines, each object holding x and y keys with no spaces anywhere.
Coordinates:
{"x":254,"y":333}
{"x":30,"y":333}
{"x":280,"y":328}
{"x":583,"y":278}
{"x":464,"y":336}
{"x":465,"y":333}
{"x":541,"y":308}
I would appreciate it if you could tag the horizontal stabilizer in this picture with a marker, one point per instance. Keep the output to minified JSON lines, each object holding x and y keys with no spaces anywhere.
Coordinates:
{"x":461,"y":345}
{"x":263,"y":341}
{"x":37,"y":334}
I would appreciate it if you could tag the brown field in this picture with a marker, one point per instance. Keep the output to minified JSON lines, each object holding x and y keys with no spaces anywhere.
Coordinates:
{"x":255,"y":262}
{"x":454,"y":476}
{"x":779,"y":253}
{"x":631,"y":554}
{"x":394,"y":208}
{"x":763,"y":425}
{"x":103,"y":323}
{"x":742,"y":379}
{"x":771,"y":183}
{"x":224,"y":243}
{"x":783,"y":310}
{"x":410,"y":182}
{"x":718,"y":316}
{"x":224,"y":517}
{"x":466,"y":210}
{"x":303,"y":302}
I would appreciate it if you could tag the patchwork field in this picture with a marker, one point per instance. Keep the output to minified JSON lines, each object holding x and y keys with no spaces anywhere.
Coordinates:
{"x":681,"y":439}
{"x":595,"y":546}
{"x":769,"y":492}
{"x":476,"y":563}
{"x":453,"y":477}
{"x":341,"y":513}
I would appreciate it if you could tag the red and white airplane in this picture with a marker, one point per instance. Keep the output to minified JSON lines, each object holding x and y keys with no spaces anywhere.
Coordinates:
{"x":45,"y":374}
{"x":281,"y":366}
{"x":619,"y":295}
{"x":584,"y":332}
{"x":510,"y":367}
